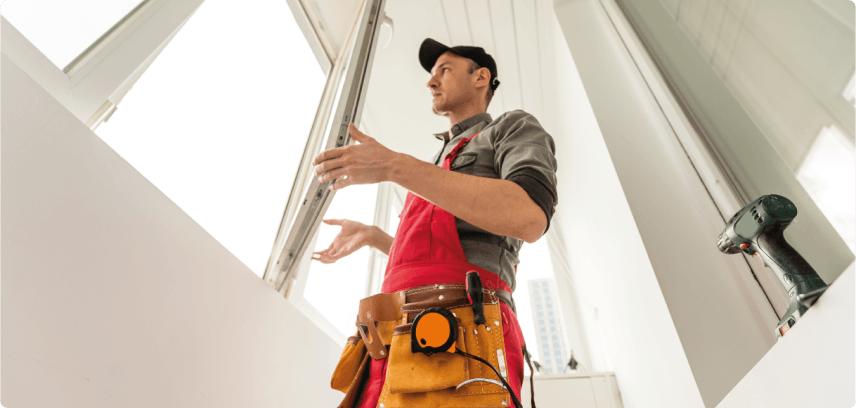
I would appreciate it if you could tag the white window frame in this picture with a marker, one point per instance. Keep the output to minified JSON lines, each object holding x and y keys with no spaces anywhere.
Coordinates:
{"x":304,"y":212}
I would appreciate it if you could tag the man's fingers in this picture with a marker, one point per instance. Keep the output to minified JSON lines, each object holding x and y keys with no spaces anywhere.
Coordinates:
{"x":328,"y":165}
{"x":332,"y":222}
{"x":327,"y":155}
{"x":341,"y":183}
{"x":337,"y":174}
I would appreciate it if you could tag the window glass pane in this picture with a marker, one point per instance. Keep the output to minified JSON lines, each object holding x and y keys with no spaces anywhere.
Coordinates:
{"x":63,"y":29}
{"x":765,"y":81}
{"x":220,"y":119}
{"x":336,"y":289}
{"x":537,"y":303}
{"x":828,"y":174}
{"x":324,"y":131}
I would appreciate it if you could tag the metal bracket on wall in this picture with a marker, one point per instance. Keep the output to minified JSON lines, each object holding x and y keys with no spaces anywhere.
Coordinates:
{"x":350,"y":107}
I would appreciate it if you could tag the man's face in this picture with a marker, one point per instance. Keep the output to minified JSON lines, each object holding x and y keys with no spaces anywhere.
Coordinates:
{"x":451,"y":83}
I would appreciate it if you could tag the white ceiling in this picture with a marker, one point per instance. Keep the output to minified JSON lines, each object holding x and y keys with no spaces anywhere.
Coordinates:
{"x":398,"y":110}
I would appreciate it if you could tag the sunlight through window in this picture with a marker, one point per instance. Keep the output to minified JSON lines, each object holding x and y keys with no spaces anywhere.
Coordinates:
{"x":63,"y":29}
{"x":828,"y":175}
{"x":335,"y":289}
{"x":220,"y":119}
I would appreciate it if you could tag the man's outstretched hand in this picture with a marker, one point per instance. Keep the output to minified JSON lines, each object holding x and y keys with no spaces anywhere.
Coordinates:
{"x":367,"y":162}
{"x":353,"y":236}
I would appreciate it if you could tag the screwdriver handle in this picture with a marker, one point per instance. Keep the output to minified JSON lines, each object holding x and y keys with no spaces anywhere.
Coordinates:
{"x":475,"y":294}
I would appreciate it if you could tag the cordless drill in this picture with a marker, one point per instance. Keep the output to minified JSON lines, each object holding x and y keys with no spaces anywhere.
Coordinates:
{"x":758,"y":229}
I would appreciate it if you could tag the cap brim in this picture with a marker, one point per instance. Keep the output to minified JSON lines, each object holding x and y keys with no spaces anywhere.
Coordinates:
{"x":429,"y":52}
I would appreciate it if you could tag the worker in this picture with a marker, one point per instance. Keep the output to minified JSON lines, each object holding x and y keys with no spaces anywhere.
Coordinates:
{"x":490,"y":187}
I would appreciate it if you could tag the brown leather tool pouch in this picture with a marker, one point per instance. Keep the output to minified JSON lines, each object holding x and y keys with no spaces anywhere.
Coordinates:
{"x":346,"y":371}
{"x":416,"y":379}
{"x":377,"y":317}
{"x":417,"y":372}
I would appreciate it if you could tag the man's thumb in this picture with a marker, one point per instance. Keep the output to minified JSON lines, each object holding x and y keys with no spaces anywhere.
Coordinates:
{"x":357,"y":135}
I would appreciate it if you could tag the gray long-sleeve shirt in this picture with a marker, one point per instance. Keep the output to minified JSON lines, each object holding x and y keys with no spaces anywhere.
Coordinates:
{"x":513,"y":147}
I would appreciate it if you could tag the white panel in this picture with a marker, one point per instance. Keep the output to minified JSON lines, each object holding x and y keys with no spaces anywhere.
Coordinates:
{"x":114,"y":297}
{"x":506,"y":54}
{"x":711,"y":29}
{"x":483,"y":36}
{"x":37,"y":65}
{"x":811,"y":366}
{"x":528,"y":54}
{"x":338,"y":17}
{"x":481,"y":24}
{"x":455,"y":12}
{"x":691,"y":17}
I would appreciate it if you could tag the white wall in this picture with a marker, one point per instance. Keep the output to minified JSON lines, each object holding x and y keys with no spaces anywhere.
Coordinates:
{"x":114,"y":297}
{"x":627,"y":324}
{"x":679,"y":326}
{"x":814,"y":365}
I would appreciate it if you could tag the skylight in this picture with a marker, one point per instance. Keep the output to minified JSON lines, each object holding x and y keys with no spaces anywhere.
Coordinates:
{"x":219,"y":121}
{"x":63,"y":29}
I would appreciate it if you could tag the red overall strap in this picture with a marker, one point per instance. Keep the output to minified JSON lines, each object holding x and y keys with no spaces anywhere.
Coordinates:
{"x":426,"y":248}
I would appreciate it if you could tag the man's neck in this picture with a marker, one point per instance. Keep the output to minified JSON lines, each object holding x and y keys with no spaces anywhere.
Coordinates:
{"x":470,"y":111}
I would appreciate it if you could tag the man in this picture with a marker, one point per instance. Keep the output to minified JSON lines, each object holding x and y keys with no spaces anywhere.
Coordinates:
{"x":496,"y":188}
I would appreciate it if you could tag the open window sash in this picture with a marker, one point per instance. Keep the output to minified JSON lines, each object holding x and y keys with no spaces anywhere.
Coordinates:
{"x":309,"y":198}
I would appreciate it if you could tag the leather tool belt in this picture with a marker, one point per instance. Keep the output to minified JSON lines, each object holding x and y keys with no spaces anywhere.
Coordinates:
{"x":415,"y":379}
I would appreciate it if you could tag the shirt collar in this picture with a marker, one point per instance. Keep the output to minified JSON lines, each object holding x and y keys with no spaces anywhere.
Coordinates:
{"x":463,"y":125}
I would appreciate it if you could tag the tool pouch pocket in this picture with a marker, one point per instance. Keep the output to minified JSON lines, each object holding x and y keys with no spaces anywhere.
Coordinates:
{"x":349,"y":364}
{"x":410,"y":372}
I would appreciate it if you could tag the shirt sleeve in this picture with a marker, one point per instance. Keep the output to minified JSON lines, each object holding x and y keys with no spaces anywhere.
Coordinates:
{"x":526,"y":155}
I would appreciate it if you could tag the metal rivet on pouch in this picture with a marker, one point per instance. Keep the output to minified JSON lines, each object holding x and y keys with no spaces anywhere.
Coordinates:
{"x":475,"y":331}
{"x":383,"y":353}
{"x":454,"y":314}
{"x":440,"y":287}
{"x":381,"y":405}
{"x":441,"y":297}
{"x":496,"y":322}
{"x":487,"y":328}
{"x":504,"y":403}
{"x":368,"y":315}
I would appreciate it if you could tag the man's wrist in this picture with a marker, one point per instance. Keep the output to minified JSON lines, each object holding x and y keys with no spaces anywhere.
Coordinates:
{"x":380,"y":240}
{"x":397,"y":168}
{"x":372,"y":236}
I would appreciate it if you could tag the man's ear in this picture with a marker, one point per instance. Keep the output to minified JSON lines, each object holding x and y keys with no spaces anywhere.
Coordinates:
{"x":484,"y":77}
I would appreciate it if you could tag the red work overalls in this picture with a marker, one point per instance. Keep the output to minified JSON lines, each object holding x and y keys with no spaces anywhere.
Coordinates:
{"x":426,"y":250}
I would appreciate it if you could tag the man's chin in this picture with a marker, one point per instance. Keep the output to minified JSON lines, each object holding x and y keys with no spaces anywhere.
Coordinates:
{"x":439,"y":112}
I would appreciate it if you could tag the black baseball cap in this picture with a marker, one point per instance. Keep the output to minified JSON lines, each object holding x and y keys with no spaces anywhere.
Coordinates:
{"x":431,"y":50}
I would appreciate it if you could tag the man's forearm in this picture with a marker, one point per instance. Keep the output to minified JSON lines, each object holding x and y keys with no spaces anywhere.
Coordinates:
{"x":380,"y":240}
{"x":498,"y":206}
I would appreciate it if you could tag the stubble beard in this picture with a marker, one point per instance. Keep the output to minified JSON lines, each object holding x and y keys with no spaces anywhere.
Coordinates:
{"x":436,"y":110}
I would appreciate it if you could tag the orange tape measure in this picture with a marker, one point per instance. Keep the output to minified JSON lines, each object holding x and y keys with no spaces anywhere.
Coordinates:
{"x":434,"y":330}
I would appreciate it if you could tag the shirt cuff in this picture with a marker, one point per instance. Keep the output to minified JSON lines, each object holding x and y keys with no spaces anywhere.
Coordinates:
{"x":536,"y":186}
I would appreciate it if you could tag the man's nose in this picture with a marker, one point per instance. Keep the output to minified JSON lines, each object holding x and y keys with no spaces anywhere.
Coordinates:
{"x":432,"y":82}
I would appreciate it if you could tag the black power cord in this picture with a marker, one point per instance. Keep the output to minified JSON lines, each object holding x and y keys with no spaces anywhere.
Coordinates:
{"x":514,"y":399}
